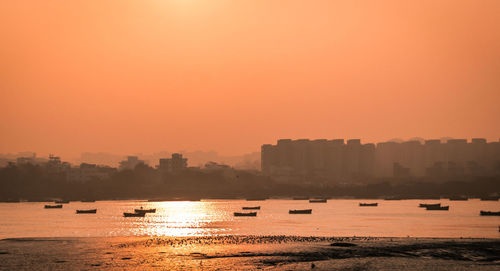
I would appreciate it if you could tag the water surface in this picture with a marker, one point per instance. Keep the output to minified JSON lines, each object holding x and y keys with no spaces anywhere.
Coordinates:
{"x":215,"y":217}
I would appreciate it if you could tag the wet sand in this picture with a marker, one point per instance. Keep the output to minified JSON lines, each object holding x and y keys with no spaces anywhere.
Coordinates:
{"x":249,"y":253}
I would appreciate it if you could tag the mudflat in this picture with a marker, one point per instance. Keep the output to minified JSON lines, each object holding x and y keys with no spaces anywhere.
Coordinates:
{"x":249,"y":253}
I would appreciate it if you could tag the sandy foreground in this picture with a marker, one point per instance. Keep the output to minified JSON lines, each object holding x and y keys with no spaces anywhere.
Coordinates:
{"x":249,"y":253}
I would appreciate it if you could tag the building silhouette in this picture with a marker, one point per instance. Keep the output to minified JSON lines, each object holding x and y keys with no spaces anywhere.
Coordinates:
{"x":172,"y":165}
{"x":88,"y":172}
{"x":335,"y":160}
{"x":130,"y":163}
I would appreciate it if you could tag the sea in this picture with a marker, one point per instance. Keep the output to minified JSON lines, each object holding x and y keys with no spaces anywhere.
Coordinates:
{"x":337,"y":217}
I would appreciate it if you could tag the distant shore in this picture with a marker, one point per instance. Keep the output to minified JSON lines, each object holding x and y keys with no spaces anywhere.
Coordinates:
{"x":250,"y":253}
{"x":262,"y":198}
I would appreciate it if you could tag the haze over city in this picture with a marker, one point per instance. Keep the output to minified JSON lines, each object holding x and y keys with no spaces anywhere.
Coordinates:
{"x":128,"y":77}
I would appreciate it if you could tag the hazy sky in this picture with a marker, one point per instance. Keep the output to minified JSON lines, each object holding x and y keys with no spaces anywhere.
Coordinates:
{"x":144,"y":76}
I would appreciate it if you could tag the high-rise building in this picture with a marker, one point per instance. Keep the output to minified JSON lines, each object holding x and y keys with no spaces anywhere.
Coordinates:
{"x":387,"y":153}
{"x":269,"y":158}
{"x":173,"y":165}
{"x":334,"y":159}
{"x":367,"y":160}
{"x":351,"y":158}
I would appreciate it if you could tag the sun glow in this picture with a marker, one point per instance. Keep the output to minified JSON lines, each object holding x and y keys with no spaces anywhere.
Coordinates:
{"x":180,"y":218}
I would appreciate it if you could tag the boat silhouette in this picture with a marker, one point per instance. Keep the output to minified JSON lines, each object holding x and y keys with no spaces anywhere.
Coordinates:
{"x":91,"y":211}
{"x":368,"y":204}
{"x":251,"y":208}
{"x":295,"y":212}
{"x":53,"y":206}
{"x":425,"y":205}
{"x":142,"y":210}
{"x":489,"y":213}
{"x":437,"y":208}
{"x":317,"y":200}
{"x":134,"y":214}
{"x":245,"y":214}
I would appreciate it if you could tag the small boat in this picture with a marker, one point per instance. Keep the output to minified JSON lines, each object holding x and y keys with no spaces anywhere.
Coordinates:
{"x":490,"y":198}
{"x":317,"y":201}
{"x":489,"y":213}
{"x":142,"y":210}
{"x":296,"y":212}
{"x":134,"y":214}
{"x":251,"y":208}
{"x":437,"y":208}
{"x":245,"y":214}
{"x":368,"y":204}
{"x":300,"y":198}
{"x":53,"y":206}
{"x":425,"y":205}
{"x":459,"y":198}
{"x":91,"y":211}
{"x":87,"y":200}
{"x":61,"y":201}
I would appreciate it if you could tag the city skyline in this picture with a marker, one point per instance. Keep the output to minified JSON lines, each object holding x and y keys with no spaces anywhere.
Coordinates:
{"x":339,"y":160}
{"x":76,"y":155}
{"x":202,"y":157}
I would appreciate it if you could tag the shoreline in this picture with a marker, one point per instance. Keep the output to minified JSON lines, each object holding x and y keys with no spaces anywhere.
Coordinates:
{"x":285,"y":237}
{"x":246,"y":252}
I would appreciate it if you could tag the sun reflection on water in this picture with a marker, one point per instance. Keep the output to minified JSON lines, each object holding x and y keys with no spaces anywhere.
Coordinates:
{"x":180,"y":218}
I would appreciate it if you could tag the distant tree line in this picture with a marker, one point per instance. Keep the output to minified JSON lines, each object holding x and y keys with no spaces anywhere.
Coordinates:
{"x":38,"y":183}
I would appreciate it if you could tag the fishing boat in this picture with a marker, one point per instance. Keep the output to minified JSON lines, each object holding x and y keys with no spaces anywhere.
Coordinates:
{"x":296,"y":212}
{"x":251,"y":208}
{"x":368,"y":204}
{"x":437,"y":208}
{"x":91,"y":211}
{"x":317,"y":201}
{"x":142,"y":210}
{"x":53,"y":206}
{"x":489,"y":213}
{"x":61,"y":201}
{"x":245,"y":214}
{"x":425,"y":205}
{"x":134,"y":214}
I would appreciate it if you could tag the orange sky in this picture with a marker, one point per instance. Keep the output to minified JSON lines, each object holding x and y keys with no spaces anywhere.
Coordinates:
{"x":144,"y":76}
